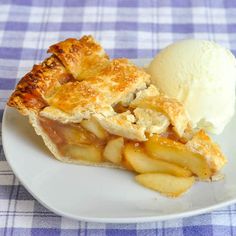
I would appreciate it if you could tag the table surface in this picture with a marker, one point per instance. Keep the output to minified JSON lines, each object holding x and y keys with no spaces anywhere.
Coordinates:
{"x":133,"y":29}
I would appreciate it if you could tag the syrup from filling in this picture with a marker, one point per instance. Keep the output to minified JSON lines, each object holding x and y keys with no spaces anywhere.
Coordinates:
{"x":88,"y":141}
{"x":74,"y":141}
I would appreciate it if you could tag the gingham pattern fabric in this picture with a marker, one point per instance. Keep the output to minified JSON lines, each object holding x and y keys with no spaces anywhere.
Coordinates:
{"x":133,"y":29}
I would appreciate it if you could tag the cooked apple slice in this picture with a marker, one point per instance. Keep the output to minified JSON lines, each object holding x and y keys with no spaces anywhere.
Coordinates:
{"x":127,"y":165}
{"x":69,"y":133}
{"x":166,"y":184}
{"x":113,"y":150}
{"x":76,"y":135}
{"x":141,"y":163}
{"x":204,"y":145}
{"x":94,"y":127}
{"x":83,"y":152}
{"x":174,"y":152}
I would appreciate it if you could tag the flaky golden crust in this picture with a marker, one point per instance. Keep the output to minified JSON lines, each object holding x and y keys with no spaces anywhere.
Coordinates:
{"x":112,"y":84}
{"x":77,"y":78}
{"x":169,"y":107}
{"x":35,"y":86}
{"x":82,"y":58}
{"x":44,"y":79}
{"x":204,"y":145}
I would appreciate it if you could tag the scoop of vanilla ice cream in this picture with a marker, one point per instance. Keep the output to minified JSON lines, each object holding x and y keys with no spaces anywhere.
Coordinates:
{"x":202,"y":75}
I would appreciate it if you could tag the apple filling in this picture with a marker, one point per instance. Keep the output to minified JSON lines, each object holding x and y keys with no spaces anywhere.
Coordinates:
{"x":88,"y":141}
{"x":81,"y":141}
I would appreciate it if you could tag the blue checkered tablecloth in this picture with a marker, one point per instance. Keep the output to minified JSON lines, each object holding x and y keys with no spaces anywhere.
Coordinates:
{"x":133,"y":29}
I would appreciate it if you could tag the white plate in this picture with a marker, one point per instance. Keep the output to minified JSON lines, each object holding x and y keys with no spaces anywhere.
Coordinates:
{"x":102,"y":194}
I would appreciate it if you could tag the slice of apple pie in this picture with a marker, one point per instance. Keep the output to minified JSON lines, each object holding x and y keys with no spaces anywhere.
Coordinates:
{"x":95,"y":111}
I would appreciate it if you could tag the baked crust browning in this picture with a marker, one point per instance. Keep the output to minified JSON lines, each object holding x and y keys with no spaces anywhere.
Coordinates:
{"x":42,"y":81}
{"x":75,"y":95}
{"x":56,"y":82}
{"x":110,"y":86}
{"x":82,"y":58}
